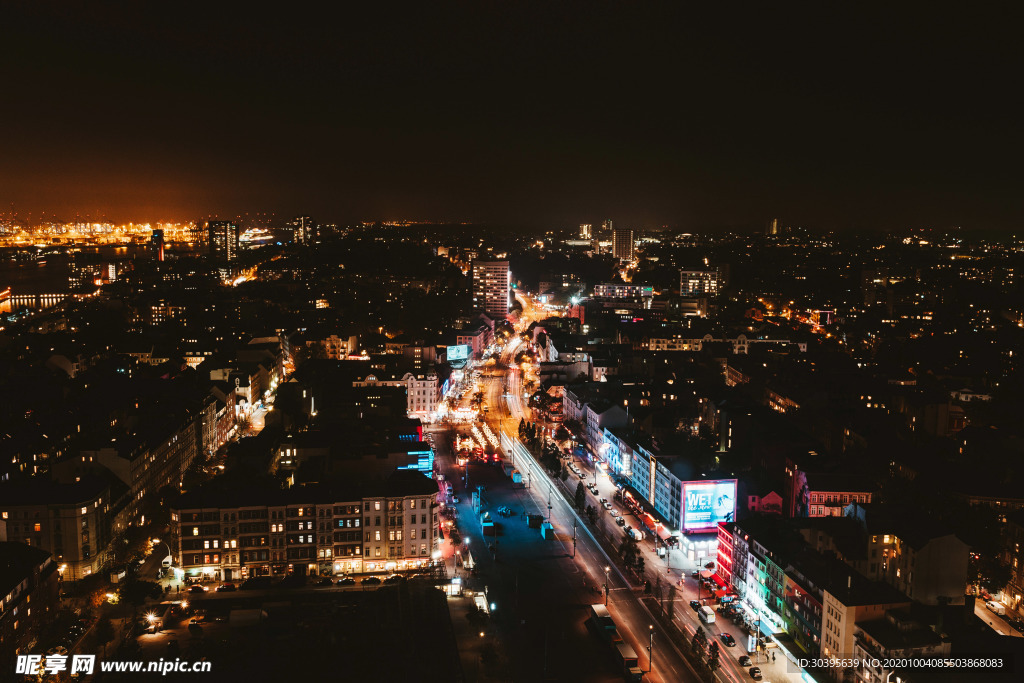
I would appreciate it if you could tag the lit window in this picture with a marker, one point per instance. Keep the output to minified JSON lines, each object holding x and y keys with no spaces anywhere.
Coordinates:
{"x":195,"y":531}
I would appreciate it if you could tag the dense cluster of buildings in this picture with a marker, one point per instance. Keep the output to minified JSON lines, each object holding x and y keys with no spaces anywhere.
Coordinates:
{"x":788,"y":406}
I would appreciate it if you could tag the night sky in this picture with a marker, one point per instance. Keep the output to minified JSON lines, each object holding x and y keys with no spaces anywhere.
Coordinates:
{"x":533,"y":114}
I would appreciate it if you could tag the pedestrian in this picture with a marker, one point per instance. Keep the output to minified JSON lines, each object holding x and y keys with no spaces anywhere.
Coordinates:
{"x":773,"y":657}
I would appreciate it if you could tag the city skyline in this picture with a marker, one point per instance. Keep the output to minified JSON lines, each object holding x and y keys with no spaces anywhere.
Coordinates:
{"x":511,"y":342}
{"x":532,"y":116}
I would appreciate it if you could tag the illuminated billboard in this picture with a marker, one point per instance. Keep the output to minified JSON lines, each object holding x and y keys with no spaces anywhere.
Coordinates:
{"x":708,"y":503}
{"x":460,"y":352}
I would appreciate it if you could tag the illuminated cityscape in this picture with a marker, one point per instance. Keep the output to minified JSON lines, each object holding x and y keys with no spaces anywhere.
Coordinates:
{"x":558,"y":343}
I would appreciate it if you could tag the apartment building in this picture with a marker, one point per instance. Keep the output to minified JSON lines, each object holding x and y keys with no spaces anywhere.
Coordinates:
{"x":233,"y":533}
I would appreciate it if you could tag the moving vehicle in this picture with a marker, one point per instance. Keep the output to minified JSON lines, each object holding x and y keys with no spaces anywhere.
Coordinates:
{"x":695,"y":605}
{"x":727,"y":639}
{"x":706,"y":614}
{"x":996,"y":607}
{"x":226,"y":588}
{"x":196,"y":588}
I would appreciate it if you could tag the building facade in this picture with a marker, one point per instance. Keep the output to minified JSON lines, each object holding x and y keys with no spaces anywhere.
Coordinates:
{"x":224,"y":239}
{"x":698,"y":283}
{"x":491,"y":281}
{"x":74,"y":522}
{"x":622,"y":243}
{"x":308,"y":530}
{"x":28,"y":596}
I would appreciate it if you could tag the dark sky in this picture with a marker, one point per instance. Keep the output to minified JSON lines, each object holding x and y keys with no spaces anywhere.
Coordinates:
{"x":540,"y":114}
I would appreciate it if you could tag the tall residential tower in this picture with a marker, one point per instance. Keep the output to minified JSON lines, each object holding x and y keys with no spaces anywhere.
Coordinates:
{"x":490,"y":287}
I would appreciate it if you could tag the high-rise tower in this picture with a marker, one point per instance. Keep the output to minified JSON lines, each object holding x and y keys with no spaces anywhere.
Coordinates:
{"x":490,"y":287}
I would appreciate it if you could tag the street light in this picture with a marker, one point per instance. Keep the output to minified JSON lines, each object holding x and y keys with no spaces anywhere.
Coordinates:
{"x":606,"y":570}
{"x":650,"y":650}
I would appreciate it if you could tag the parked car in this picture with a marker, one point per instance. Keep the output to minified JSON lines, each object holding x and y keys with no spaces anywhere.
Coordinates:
{"x":374,"y":580}
{"x":325,"y":581}
{"x":744,"y":660}
{"x":394,"y":578}
{"x":606,"y":504}
{"x":615,"y":513}
{"x":620,"y":521}
{"x":755,"y":673}
{"x":226,"y":588}
{"x":346,"y":581}
{"x":695,"y":605}
{"x":727,"y":639}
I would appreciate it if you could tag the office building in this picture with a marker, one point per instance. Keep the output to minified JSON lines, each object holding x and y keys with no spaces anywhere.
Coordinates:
{"x":698,"y":283}
{"x":622,"y":243}
{"x":223,"y":236}
{"x":304,"y":230}
{"x":156,"y":245}
{"x":586,"y":231}
{"x":621,"y":290}
{"x":491,"y":282}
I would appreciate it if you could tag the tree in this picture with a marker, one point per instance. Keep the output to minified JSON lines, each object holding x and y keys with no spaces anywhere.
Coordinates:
{"x":591,"y":512}
{"x":477,"y":618}
{"x":104,"y":633}
{"x":671,"y":600}
{"x":699,"y":642}
{"x":522,"y":427}
{"x":564,"y":474}
{"x":136,"y":592}
{"x":715,"y":652}
{"x":581,"y":496}
{"x":640,"y":564}
{"x":629,"y":552}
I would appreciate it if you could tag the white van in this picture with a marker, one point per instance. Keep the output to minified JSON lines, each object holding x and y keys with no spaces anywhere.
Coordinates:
{"x":996,"y":607}
{"x":706,"y":614}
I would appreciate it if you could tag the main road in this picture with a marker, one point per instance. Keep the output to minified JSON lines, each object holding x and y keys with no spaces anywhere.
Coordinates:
{"x":504,"y":396}
{"x":593,"y":567}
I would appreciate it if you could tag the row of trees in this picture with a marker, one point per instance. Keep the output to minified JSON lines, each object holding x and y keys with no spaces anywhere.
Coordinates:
{"x":706,"y":653}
